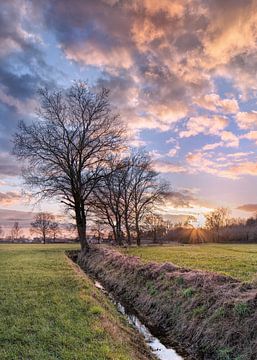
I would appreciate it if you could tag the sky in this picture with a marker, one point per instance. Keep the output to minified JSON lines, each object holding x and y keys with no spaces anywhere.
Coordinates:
{"x":182,"y":75}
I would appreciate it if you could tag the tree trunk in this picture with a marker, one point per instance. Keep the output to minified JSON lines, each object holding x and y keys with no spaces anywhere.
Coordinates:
{"x":119,"y":234}
{"x":138,"y":233}
{"x":127,"y":230}
{"x":154,"y":236}
{"x":118,"y":230}
{"x":81,"y":228}
{"x":128,"y":235}
{"x":44,"y":236}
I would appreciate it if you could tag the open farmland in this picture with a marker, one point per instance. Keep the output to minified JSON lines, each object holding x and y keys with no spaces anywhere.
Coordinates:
{"x":50,"y":311}
{"x":237,"y":260}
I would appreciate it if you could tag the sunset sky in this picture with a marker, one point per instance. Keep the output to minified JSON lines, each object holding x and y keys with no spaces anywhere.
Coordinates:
{"x":182,"y":74}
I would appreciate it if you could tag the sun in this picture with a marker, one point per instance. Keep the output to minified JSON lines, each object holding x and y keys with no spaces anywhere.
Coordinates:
{"x":199,"y":222}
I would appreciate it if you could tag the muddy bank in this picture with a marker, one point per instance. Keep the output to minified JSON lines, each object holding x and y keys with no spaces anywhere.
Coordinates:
{"x":211,"y":316}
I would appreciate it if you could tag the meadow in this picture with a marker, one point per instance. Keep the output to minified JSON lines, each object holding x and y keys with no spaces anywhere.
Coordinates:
{"x":50,"y":310}
{"x":236,"y":260}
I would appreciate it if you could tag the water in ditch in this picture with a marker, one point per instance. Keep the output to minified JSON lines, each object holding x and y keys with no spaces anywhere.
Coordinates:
{"x":160,"y":350}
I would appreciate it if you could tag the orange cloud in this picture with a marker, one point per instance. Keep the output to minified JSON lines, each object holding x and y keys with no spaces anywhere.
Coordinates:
{"x":213,"y":102}
{"x":9,"y":198}
{"x":205,"y":125}
{"x":90,"y":54}
{"x":248,"y":207}
{"x":167,"y":167}
{"x":230,"y":139}
{"x":247,"y":120}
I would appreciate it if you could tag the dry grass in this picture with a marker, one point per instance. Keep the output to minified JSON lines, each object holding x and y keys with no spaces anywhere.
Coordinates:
{"x":213,"y":316}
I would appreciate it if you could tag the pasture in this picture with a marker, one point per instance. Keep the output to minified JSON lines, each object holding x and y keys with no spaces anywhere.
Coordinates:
{"x":50,"y":310}
{"x":236,"y":260}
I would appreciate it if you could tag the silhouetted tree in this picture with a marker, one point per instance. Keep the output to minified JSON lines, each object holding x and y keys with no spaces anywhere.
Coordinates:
{"x":128,"y":191}
{"x":217,"y":219}
{"x":66,"y":148}
{"x":42,"y":225}
{"x":16,"y":231}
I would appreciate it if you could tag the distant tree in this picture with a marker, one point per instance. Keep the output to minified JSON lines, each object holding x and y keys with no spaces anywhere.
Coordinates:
{"x":16,"y":231}
{"x":252,"y":221}
{"x":1,"y":232}
{"x":43,"y":225}
{"x":155,"y":225}
{"x":217,"y":219}
{"x":66,"y":149}
{"x":189,"y":220}
{"x":54,"y":230}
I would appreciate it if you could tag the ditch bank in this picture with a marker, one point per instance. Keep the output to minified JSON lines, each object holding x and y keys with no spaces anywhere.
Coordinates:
{"x":211,"y":316}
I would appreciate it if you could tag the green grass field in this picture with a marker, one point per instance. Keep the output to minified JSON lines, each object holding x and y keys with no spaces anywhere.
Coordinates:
{"x":50,"y":311}
{"x":239,"y":261}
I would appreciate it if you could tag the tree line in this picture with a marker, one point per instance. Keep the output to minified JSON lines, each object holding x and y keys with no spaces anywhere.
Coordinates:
{"x":77,"y":151}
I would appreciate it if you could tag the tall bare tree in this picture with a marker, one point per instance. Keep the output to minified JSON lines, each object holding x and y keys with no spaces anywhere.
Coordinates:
{"x":107,"y":199}
{"x":127,"y":193}
{"x":65,"y":150}
{"x":146,"y":190}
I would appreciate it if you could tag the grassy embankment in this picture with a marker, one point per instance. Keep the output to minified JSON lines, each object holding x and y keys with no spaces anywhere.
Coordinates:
{"x":50,"y":311}
{"x":212,"y":316}
{"x":239,"y":261}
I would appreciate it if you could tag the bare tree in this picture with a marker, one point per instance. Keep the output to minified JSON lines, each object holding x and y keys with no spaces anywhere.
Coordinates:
{"x":127,"y":193}
{"x":54,"y":230}
{"x":99,"y":229}
{"x":146,"y":190}
{"x":217,"y":219}
{"x":42,"y":225}
{"x":106,"y":199}
{"x":65,"y":150}
{"x":155,"y":225}
{"x":16,"y":231}
{"x":1,"y":232}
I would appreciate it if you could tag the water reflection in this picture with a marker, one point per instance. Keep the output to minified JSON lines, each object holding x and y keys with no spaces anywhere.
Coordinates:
{"x":160,"y":350}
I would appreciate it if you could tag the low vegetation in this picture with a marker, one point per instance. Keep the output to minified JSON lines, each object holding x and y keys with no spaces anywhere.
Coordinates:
{"x":48,"y":311}
{"x":237,"y":260}
{"x":212,"y":316}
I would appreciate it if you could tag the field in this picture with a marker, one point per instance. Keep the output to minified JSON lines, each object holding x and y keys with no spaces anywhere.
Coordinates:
{"x":49,"y":310}
{"x":239,"y":261}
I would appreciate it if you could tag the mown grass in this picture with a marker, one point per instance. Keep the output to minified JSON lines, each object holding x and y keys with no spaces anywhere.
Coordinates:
{"x":49,"y":311}
{"x":239,"y":261}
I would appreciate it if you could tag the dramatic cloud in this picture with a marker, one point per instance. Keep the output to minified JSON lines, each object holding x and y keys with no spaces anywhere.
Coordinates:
{"x":168,"y":167}
{"x":251,"y":135}
{"x":183,"y":198}
{"x":184,"y":70}
{"x":247,"y":120}
{"x":232,"y":166}
{"x":248,"y":207}
{"x":205,"y":125}
{"x":9,"y":217}
{"x":8,"y":165}
{"x":9,"y":198}
{"x":213,"y":102}
{"x":229,"y":139}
